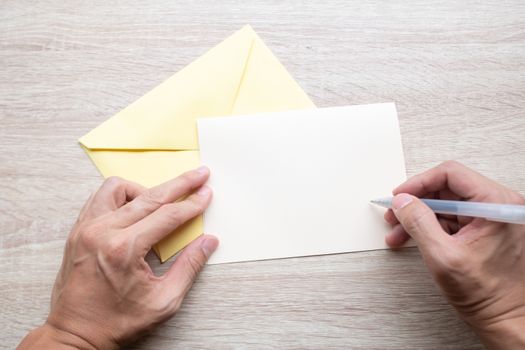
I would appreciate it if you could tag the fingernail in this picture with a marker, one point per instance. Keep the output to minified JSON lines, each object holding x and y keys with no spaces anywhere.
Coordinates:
{"x":401,"y":200}
{"x":203,"y":170}
{"x":204,"y":191}
{"x":208,"y":245}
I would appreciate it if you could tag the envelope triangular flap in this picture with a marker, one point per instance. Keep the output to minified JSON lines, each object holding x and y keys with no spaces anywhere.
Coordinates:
{"x":164,"y":118}
{"x":267,"y":86}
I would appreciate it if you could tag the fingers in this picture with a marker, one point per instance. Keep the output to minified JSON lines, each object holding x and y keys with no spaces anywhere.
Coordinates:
{"x":168,"y":217}
{"x":452,"y":178}
{"x":181,"y":275}
{"x":397,"y":237}
{"x":419,"y":222}
{"x":156,"y":197}
{"x":390,"y":217}
{"x":113,"y":194}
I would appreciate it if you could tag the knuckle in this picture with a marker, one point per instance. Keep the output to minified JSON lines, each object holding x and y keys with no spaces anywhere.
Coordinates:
{"x":152,"y":198}
{"x":113,"y":183}
{"x":450,"y":164}
{"x":186,"y":180}
{"x":89,"y":235}
{"x":116,"y":251}
{"x":198,"y":205}
{"x":173,"y":214}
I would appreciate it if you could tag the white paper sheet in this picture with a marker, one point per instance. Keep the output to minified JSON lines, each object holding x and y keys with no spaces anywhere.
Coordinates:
{"x":299,"y":183}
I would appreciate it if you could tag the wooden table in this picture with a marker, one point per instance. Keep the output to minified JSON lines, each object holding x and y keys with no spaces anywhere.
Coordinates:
{"x":456,"y":70}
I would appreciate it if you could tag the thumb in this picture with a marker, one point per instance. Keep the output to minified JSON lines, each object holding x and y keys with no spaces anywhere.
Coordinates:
{"x":419,"y":221}
{"x":188,"y":265}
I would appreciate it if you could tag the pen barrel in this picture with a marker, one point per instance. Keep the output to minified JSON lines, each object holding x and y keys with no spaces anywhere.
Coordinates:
{"x":494,"y":212}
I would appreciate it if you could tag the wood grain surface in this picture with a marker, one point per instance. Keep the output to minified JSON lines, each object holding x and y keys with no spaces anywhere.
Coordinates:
{"x":456,"y":70}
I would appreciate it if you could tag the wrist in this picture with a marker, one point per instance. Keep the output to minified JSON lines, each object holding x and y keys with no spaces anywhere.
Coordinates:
{"x":507,"y":334}
{"x":49,"y":337}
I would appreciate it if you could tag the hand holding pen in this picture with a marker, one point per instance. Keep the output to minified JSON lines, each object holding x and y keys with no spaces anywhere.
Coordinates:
{"x":477,"y":263}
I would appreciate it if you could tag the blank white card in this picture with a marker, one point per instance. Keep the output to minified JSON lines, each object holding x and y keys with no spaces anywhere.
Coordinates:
{"x":299,"y":183}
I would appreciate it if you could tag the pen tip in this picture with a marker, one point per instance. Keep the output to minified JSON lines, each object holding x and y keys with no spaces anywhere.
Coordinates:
{"x":383,"y":202}
{"x":373,"y":202}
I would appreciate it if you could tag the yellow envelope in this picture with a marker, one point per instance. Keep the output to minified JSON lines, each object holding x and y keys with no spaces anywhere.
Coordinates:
{"x":154,"y":139}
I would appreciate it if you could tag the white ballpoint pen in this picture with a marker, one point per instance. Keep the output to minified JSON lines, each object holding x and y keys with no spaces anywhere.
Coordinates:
{"x":510,"y":213}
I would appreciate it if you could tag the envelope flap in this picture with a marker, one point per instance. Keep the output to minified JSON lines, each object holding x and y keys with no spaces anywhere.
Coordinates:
{"x":164,"y":118}
{"x":267,"y":86}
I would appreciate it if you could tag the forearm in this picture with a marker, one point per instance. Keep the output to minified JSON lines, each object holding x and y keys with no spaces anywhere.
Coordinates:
{"x":48,"y":337}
